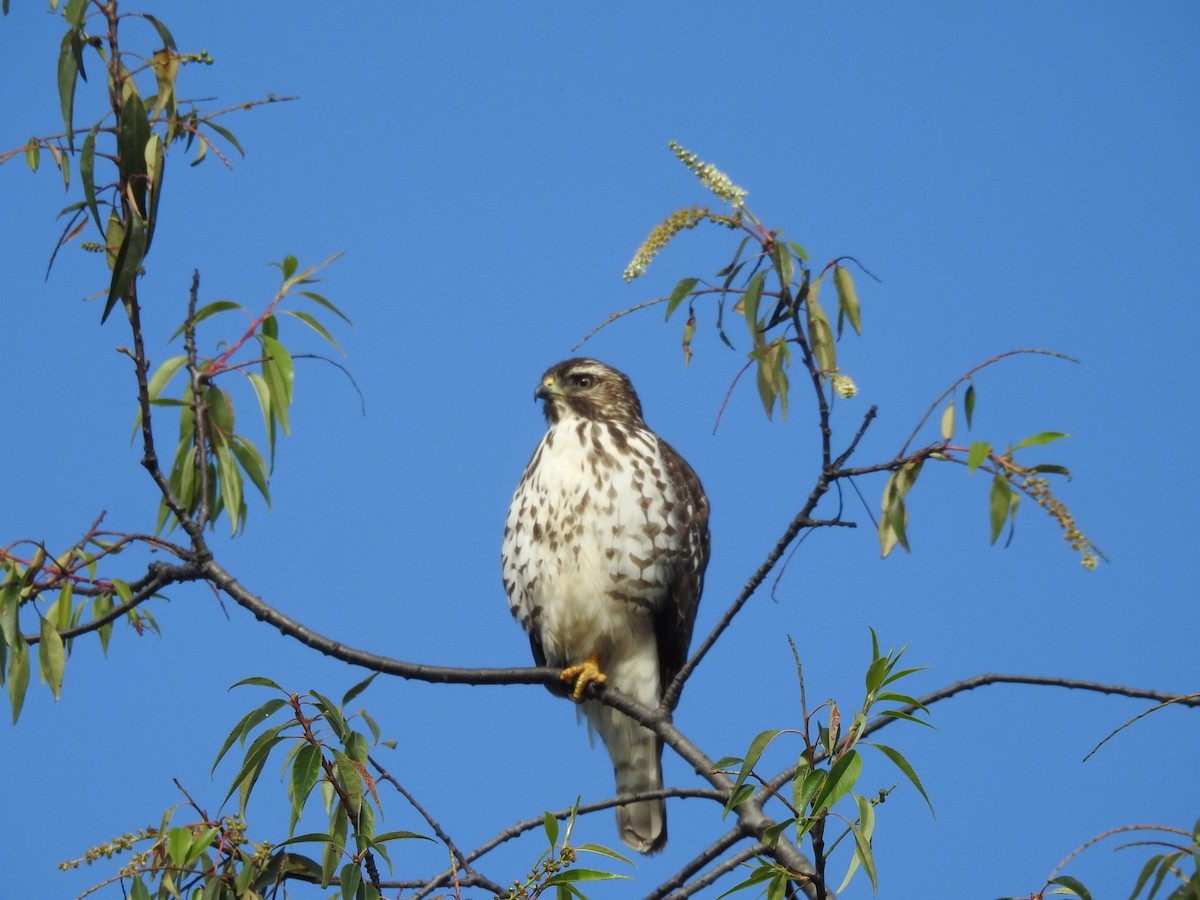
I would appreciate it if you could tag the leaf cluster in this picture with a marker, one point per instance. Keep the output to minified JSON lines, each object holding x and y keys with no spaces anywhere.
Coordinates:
{"x":828,"y":772}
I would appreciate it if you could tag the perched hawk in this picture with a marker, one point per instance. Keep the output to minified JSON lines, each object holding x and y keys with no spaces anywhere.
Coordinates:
{"x":604,"y":553}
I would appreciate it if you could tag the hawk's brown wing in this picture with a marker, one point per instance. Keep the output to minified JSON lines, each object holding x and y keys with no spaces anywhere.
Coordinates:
{"x":678,"y":614}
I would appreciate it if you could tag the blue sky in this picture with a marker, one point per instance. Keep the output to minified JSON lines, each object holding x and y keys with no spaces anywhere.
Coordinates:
{"x":1018,"y":175}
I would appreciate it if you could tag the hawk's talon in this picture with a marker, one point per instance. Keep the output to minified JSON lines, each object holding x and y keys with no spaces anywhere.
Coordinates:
{"x":581,"y":675}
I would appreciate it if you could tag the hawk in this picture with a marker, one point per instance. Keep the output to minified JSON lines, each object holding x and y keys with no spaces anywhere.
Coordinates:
{"x":604,"y":553}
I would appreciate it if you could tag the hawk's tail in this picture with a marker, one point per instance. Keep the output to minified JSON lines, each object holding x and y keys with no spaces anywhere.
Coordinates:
{"x":642,"y":825}
{"x":636,"y":754}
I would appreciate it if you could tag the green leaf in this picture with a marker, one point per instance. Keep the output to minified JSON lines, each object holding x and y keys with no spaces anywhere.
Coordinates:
{"x":978,"y":452}
{"x":204,"y":312}
{"x":783,"y":263}
{"x":350,"y":879}
{"x":1000,"y":501}
{"x":358,"y":689}
{"x":969,"y":404}
{"x":17,"y":676}
{"x":550,"y":825}
{"x":333,"y":715}
{"x":163,"y":375}
{"x":682,"y":289}
{"x":311,"y":322}
{"x":1045,"y":437}
{"x":179,"y":841}
{"x":279,"y":374}
{"x":862,"y":846}
{"x":68,"y":71}
{"x":1047,"y":469}
{"x":573,"y":876}
{"x":335,"y":844}
{"x":133,"y":134}
{"x":138,"y":889}
{"x":33,"y":154}
{"x":128,"y":262}
{"x":229,"y":478}
{"x":903,"y":765}
{"x":1072,"y":886}
{"x":51,"y":657}
{"x":842,"y":777}
{"x":248,"y":723}
{"x":750,"y":300}
{"x":318,"y":299}
{"x":163,"y":34}
{"x":594,"y":848}
{"x":87,"y":174}
{"x":306,"y":769}
{"x":847,"y":300}
{"x":252,"y":764}
{"x":948,"y":422}
{"x":757,"y":746}
{"x":263,"y":392}
{"x":225,"y":133}
{"x":820,"y":335}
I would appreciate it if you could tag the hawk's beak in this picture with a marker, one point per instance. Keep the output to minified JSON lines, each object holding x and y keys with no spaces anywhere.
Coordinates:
{"x":547,"y":389}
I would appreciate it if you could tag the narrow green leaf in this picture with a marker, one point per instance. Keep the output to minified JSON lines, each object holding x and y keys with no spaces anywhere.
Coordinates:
{"x":129,"y":260}
{"x":784,"y":265}
{"x":248,"y":723}
{"x":598,"y":850}
{"x":163,"y":34}
{"x":318,"y":299}
{"x":10,"y":604}
{"x":750,"y":300}
{"x":358,"y":689}
{"x":550,"y":825}
{"x":309,"y":320}
{"x":903,"y":765}
{"x":155,"y":170}
{"x":225,"y":133}
{"x":820,"y":335}
{"x":333,"y":715}
{"x":948,"y":422}
{"x":133,"y":134}
{"x":1048,"y":469}
{"x":87,"y":175}
{"x":573,"y":876}
{"x":68,"y":72}
{"x":335,"y":844}
{"x":17,"y":676}
{"x":757,"y":746}
{"x":229,"y":478}
{"x":999,"y":504}
{"x":252,"y":464}
{"x":682,"y":289}
{"x":1036,"y":440}
{"x":263,"y":392}
{"x":1072,"y":885}
{"x":969,"y":404}
{"x":847,"y":300}
{"x":163,"y":375}
{"x":51,"y":658}
{"x":33,"y":154}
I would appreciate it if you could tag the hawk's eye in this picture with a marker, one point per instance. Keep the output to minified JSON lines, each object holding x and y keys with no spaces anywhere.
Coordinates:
{"x":582,"y":381}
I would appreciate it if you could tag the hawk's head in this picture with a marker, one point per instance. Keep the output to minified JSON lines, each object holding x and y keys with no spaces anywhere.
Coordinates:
{"x":588,"y":389}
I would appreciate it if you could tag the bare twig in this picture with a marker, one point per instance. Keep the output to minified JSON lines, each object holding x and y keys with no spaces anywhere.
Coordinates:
{"x":966,"y":376}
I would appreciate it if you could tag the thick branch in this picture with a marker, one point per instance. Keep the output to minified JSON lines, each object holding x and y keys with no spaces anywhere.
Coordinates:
{"x":289,"y":627}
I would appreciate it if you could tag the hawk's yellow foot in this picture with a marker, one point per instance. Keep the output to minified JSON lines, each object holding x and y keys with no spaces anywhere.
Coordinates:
{"x":580,"y":676}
